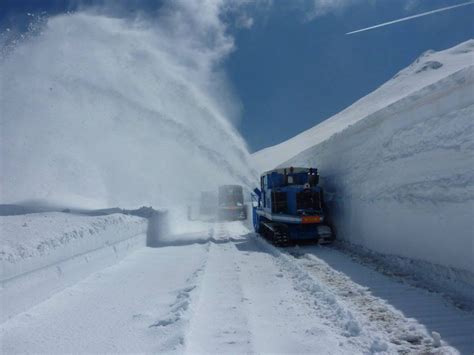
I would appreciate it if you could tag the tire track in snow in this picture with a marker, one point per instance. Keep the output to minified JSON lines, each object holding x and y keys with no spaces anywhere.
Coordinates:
{"x":174,"y":324}
{"x":218,"y":324}
{"x":282,"y":315}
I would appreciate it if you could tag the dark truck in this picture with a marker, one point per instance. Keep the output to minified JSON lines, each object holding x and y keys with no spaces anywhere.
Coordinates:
{"x":231,"y":205}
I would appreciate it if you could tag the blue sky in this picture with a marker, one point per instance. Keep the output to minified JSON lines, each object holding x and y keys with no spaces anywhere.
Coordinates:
{"x":291,"y":74}
{"x":290,"y":70}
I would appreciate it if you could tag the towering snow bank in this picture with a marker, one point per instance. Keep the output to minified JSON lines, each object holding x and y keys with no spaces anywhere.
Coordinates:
{"x":426,"y":70}
{"x":44,"y":252}
{"x":398,"y":165}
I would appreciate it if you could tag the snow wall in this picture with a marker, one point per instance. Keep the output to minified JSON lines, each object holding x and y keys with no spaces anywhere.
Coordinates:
{"x":99,"y":111}
{"x":401,"y":181}
{"x":42,"y":253}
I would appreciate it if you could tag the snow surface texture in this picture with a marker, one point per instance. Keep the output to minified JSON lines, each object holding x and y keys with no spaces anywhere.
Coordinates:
{"x":456,"y":285}
{"x":99,"y":112}
{"x":384,"y":302}
{"x":398,"y":165}
{"x":42,"y":253}
{"x":228,"y":291}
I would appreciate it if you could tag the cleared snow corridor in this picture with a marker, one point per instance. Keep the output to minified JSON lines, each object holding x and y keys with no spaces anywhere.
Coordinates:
{"x":225,"y":290}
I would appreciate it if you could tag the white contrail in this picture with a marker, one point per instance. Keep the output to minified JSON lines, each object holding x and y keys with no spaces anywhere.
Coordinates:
{"x":411,"y":17}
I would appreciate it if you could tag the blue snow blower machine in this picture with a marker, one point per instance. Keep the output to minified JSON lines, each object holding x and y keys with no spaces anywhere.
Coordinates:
{"x":289,"y":207}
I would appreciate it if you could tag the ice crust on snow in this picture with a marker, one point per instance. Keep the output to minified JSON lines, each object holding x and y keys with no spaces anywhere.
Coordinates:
{"x":397,"y":165}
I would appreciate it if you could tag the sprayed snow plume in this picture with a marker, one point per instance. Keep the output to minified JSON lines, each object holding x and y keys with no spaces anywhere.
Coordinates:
{"x":100,"y":111}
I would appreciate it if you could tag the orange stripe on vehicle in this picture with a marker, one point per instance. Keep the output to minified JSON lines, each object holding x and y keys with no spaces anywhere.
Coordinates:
{"x":310,"y":219}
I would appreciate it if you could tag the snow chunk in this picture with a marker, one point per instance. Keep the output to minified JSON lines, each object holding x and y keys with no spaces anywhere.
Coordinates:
{"x":436,"y":339}
{"x":378,"y":346}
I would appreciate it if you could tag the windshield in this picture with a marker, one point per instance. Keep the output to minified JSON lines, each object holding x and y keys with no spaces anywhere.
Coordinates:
{"x":231,"y":196}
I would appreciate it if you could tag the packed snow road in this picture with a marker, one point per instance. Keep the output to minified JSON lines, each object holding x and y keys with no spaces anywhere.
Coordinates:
{"x":227,"y":291}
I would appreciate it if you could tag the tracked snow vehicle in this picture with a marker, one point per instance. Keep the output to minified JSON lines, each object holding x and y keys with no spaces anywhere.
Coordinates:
{"x":289,"y":206}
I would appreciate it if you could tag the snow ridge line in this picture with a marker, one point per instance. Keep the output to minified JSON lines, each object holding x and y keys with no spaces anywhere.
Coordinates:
{"x":356,"y":117}
{"x":23,"y":291}
{"x":457,"y":81}
{"x":182,"y":310}
{"x":84,"y":255}
{"x":93,"y":231}
{"x":304,"y":281}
